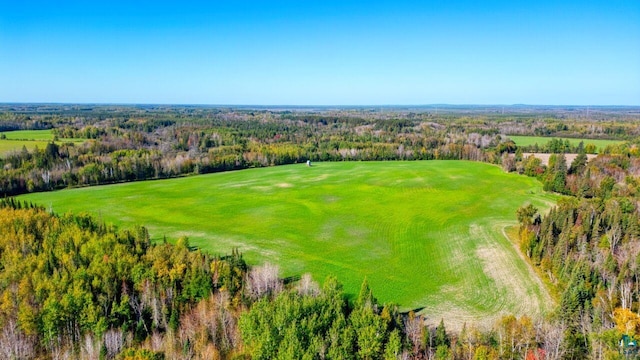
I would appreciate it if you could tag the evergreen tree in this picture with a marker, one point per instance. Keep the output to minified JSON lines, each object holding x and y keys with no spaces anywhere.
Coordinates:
{"x":441,"y":337}
{"x":393,"y":348}
{"x":365,"y":296}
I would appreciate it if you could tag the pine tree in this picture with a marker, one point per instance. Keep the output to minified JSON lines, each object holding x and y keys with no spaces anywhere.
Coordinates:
{"x":441,"y":339}
{"x":365,"y":296}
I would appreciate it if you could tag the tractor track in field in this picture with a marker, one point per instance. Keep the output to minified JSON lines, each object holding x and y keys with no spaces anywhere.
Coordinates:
{"x":509,"y":294}
{"x":534,"y":276}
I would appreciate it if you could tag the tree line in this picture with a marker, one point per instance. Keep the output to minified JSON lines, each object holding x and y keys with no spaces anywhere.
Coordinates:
{"x":587,"y":247}
{"x":128,"y":144}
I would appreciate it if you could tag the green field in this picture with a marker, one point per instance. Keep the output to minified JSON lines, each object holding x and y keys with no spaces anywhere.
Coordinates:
{"x":39,"y":135}
{"x":15,"y":140}
{"x":7,"y":146}
{"x":540,"y":140}
{"x":425,"y":234}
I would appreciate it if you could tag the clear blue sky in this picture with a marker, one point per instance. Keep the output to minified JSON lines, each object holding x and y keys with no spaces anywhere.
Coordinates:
{"x":321,"y":52}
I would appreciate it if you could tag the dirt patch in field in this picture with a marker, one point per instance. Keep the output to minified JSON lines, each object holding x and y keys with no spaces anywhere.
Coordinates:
{"x":331,"y":199}
{"x":500,"y":267}
{"x":241,"y":183}
{"x":320,"y":178}
{"x":456,"y":318}
{"x":191,"y":234}
{"x":262,"y":188}
{"x":545,"y":157}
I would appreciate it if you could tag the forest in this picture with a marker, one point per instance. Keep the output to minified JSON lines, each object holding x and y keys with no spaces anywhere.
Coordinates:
{"x":74,"y":287}
{"x":138,"y":143}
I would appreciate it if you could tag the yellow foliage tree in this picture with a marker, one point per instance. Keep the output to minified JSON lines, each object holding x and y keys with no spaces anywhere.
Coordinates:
{"x":627,"y":322}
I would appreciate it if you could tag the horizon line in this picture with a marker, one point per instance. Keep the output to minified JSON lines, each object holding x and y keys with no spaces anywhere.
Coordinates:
{"x":312,"y":105}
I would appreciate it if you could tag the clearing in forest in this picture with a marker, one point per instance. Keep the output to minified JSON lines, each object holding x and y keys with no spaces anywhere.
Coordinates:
{"x":426,"y":234}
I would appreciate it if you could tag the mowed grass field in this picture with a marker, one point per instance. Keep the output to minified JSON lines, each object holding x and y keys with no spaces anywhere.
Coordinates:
{"x":540,"y":140}
{"x":425,"y":234}
{"x":31,"y":139}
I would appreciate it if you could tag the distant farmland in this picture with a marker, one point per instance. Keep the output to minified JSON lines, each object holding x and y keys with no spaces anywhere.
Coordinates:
{"x":425,"y":234}
{"x":16,"y":140}
{"x":544,"y":158}
{"x":532,"y":140}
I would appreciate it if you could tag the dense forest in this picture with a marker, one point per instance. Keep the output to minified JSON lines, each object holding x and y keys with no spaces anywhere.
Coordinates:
{"x":72,"y":287}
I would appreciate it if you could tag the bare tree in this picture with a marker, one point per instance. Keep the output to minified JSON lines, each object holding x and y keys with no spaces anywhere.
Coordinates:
{"x":414,"y":328}
{"x":610,"y":298}
{"x":552,"y":337}
{"x":157,"y":341}
{"x":209,"y":327}
{"x":138,"y":307}
{"x":306,"y":286}
{"x":615,"y":234}
{"x":508,"y":162}
{"x":14,"y":344}
{"x":90,"y":348}
{"x":263,"y":280}
{"x":59,"y":349}
{"x":229,"y":334}
{"x":626,"y":294}
{"x":113,"y":342}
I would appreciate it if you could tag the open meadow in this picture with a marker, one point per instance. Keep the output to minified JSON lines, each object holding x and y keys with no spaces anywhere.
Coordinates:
{"x":426,"y":234}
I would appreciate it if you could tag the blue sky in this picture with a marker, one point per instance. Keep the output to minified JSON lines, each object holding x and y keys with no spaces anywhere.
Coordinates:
{"x":321,"y":52}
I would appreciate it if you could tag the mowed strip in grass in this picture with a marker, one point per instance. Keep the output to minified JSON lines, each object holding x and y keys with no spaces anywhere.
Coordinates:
{"x":540,"y":140}
{"x":16,"y":140}
{"x":426,"y":234}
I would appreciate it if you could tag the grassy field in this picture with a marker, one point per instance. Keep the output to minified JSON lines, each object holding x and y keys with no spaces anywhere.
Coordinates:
{"x":425,"y":234}
{"x":15,"y":140}
{"x":532,"y":140}
{"x":39,"y":135}
{"x":7,"y":146}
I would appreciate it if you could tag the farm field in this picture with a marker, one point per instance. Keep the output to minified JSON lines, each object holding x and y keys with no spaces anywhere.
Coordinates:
{"x":37,"y":135}
{"x":427,"y":235}
{"x":540,"y":140}
{"x":15,"y":140}
{"x":8,"y":146}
